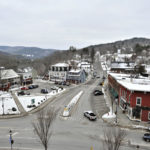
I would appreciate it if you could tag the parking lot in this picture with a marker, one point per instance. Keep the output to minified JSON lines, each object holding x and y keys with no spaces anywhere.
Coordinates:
{"x":44,"y":84}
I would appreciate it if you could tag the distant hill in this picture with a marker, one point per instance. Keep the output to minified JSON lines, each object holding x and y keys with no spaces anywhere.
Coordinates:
{"x":126,"y":45}
{"x":27,"y":52}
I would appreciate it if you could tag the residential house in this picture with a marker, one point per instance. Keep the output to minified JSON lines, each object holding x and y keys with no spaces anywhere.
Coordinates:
{"x":132,"y":93}
{"x":8,"y":77}
{"x":26,"y":75}
{"x":85,"y":66}
{"x":76,"y":76}
{"x":58,"y":72}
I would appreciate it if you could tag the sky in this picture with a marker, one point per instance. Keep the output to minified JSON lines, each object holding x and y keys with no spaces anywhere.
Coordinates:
{"x":59,"y":24}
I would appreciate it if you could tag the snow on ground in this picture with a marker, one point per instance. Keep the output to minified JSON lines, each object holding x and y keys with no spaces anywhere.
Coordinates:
{"x":29,"y":102}
{"x":7,"y":103}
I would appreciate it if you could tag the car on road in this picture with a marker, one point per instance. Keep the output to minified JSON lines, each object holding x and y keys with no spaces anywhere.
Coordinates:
{"x":23,"y":93}
{"x":97,"y":92}
{"x":146,"y":137}
{"x":101,"y":83}
{"x":44,"y":91}
{"x":90,"y":115}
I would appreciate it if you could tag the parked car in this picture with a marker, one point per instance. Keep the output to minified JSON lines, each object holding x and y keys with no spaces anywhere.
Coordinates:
{"x":54,"y":88}
{"x":30,"y":87}
{"x":44,"y":91}
{"x":23,"y":93}
{"x":35,"y":86}
{"x":90,"y":115}
{"x":97,"y":92}
{"x":24,"y":88}
{"x":146,"y":137}
{"x":67,"y":83}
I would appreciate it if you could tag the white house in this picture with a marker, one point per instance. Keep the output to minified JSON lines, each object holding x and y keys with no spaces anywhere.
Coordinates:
{"x":58,"y":72}
{"x":85,"y":66}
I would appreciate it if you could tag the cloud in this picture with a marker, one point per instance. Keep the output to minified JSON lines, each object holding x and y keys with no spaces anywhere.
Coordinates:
{"x":61,"y":23}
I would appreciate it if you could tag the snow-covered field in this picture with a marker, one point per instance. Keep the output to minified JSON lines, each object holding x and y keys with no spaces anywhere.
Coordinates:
{"x":7,"y":103}
{"x":29,"y":102}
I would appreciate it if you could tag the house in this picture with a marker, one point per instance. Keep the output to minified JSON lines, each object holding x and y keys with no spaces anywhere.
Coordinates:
{"x":26,"y":75}
{"x":8,"y":77}
{"x":122,"y":67}
{"x":85,"y":66}
{"x":76,"y":76}
{"x":58,"y":72}
{"x":132,"y":93}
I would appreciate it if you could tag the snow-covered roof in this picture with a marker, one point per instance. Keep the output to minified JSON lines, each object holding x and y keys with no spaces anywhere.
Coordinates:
{"x":61,"y":65}
{"x":133,"y":84}
{"x":8,"y":74}
{"x":75,"y":71}
{"x":122,"y":65}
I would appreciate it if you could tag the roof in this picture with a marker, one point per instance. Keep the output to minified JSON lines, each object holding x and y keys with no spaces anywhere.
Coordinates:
{"x":122,"y":65}
{"x":133,"y":84}
{"x":8,"y":74}
{"x":75,"y":71}
{"x":61,"y":65}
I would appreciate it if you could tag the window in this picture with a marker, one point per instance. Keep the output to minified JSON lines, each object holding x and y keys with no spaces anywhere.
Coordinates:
{"x":138,"y":101}
{"x":149,"y":115}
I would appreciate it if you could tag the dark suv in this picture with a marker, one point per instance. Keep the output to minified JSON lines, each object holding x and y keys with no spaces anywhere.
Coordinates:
{"x":146,"y":137}
{"x":44,"y":91}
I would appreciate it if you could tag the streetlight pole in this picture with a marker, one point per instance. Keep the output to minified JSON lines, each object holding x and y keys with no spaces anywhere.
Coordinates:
{"x":3,"y":104}
{"x":11,"y":141}
{"x":116,"y":109}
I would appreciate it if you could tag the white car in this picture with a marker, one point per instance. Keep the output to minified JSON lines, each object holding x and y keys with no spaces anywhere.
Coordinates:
{"x":90,"y":115}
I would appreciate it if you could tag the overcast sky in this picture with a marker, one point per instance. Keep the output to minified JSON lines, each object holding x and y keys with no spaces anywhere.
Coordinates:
{"x":59,"y":24}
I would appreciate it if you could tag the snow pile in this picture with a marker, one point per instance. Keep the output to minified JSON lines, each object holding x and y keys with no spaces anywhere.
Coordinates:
{"x":7,"y":104}
{"x":109,"y":115}
{"x":68,"y":108}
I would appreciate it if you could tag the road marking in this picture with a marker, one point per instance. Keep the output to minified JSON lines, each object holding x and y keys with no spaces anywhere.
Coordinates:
{"x":21,"y":148}
{"x":15,"y":133}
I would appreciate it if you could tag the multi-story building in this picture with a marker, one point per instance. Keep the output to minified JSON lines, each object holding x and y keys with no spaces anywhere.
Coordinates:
{"x":25,"y":75}
{"x":76,"y":76}
{"x":85,"y":66}
{"x":58,"y":72}
{"x":133,"y":94}
{"x":8,"y":77}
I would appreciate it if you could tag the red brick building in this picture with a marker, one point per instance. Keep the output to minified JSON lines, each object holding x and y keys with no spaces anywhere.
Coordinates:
{"x":133,"y":95}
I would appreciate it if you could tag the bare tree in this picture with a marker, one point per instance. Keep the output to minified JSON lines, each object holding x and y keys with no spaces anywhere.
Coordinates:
{"x":43,"y":124}
{"x":113,"y":137}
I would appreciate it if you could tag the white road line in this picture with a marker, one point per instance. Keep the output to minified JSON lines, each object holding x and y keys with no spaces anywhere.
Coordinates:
{"x":21,"y":148}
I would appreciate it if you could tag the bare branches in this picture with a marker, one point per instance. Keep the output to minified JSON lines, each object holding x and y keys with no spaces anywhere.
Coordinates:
{"x":43,"y":124}
{"x":113,"y":138}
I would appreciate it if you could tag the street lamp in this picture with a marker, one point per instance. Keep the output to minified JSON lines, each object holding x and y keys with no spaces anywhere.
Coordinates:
{"x":116,"y":100}
{"x":11,"y":141}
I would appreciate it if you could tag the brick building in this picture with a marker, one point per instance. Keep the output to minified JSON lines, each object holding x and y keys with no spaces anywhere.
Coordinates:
{"x":133,"y":94}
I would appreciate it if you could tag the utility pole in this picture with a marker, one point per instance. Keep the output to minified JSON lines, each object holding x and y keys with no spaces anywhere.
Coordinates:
{"x":116,"y":110}
{"x":11,"y":141}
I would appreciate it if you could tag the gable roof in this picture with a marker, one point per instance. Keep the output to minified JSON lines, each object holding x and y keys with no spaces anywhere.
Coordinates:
{"x":8,"y":74}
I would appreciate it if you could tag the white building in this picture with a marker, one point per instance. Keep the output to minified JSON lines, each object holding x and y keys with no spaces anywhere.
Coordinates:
{"x":85,"y":66}
{"x":58,"y":72}
{"x":8,"y":77}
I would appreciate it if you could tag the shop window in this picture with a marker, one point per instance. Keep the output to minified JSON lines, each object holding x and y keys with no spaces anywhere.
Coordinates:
{"x":138,"y":101}
{"x":149,"y":115}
